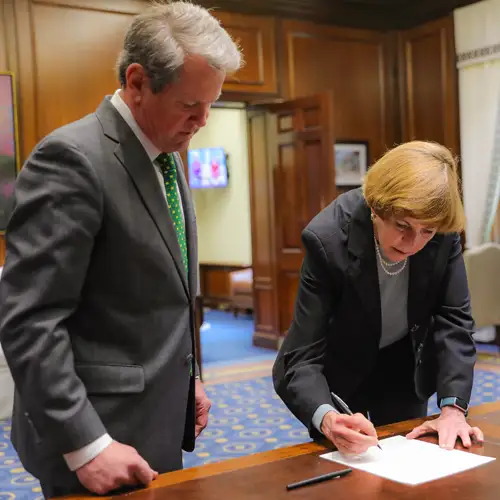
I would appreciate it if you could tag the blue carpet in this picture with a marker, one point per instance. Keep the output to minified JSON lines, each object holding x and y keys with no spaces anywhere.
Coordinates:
{"x":246,"y":417}
{"x":225,"y":339}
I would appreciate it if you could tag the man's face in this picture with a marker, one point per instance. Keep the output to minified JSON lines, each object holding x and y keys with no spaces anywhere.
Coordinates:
{"x":171,"y":117}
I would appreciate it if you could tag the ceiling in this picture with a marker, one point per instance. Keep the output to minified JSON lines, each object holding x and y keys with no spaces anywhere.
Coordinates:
{"x":372,"y":14}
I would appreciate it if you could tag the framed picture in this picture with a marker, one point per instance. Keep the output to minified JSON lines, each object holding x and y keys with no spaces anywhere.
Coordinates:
{"x":9,"y":146}
{"x":351,"y":162}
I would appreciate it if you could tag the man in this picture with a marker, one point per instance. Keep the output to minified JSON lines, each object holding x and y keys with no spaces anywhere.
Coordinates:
{"x":97,"y":296}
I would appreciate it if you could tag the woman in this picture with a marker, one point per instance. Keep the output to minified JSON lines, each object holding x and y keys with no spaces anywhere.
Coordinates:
{"x":382,"y":316}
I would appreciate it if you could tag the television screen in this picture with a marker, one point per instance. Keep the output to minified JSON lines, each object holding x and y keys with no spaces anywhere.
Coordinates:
{"x":207,"y":168}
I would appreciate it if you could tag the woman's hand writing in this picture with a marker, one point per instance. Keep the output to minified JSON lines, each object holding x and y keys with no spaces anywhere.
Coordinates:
{"x":351,"y":434}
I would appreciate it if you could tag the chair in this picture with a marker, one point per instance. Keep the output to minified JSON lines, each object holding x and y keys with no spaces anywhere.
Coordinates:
{"x":482,"y":264}
{"x":241,"y":290}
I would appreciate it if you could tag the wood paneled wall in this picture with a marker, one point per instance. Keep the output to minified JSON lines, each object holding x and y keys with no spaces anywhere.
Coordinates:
{"x":7,"y":57}
{"x":256,"y":35}
{"x":66,"y":58}
{"x":68,"y":50}
{"x":63,"y":54}
{"x":429,"y":86}
{"x":385,"y":87}
{"x":429,"y":83}
{"x":357,"y":66}
{"x":366,"y":14}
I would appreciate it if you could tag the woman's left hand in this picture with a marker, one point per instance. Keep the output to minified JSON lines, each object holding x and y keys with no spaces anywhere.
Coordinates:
{"x":450,"y":425}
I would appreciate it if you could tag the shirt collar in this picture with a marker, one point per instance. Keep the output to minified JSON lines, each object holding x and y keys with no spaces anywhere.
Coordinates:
{"x":151,"y":150}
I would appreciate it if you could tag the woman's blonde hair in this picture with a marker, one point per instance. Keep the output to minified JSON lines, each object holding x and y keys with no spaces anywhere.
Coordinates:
{"x":417,"y":179}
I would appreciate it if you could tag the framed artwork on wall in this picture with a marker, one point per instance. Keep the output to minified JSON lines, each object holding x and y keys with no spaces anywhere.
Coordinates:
{"x":351,"y":162}
{"x":9,"y":146}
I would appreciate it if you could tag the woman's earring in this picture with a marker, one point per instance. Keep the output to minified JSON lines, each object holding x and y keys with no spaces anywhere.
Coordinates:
{"x":372,"y":216}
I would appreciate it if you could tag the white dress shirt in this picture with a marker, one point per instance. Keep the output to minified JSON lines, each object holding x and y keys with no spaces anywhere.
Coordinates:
{"x":80,"y":457}
{"x":151,"y":150}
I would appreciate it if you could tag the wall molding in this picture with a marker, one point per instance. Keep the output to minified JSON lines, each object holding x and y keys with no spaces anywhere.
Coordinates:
{"x":478,"y":56}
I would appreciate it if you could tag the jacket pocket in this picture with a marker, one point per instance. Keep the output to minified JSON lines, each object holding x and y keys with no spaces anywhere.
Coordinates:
{"x":111,"y":379}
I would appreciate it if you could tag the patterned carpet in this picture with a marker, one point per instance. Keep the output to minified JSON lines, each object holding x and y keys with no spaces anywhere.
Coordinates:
{"x":488,"y":360}
{"x":247,"y":417}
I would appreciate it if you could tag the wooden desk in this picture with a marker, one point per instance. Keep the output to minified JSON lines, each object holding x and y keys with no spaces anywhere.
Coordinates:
{"x":265,"y":475}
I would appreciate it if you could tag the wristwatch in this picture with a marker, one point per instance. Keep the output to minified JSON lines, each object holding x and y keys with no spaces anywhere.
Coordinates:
{"x":456,"y":403}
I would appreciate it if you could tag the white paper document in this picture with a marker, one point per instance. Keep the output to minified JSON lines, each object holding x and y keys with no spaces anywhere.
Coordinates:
{"x":410,"y":461}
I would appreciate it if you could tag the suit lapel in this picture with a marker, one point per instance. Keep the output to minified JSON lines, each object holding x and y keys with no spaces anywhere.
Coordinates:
{"x":363,"y":265}
{"x":134,"y":159}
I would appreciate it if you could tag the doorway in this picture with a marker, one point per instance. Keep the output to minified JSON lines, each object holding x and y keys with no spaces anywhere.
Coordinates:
{"x":218,"y":170}
{"x":280,"y":161}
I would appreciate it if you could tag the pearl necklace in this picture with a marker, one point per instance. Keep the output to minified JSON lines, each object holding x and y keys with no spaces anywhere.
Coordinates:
{"x":385,"y":265}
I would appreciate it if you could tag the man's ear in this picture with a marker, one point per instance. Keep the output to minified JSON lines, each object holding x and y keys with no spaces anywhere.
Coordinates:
{"x":136,"y":79}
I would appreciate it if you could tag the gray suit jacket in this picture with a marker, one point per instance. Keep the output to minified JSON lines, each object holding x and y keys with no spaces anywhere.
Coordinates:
{"x":96,"y":311}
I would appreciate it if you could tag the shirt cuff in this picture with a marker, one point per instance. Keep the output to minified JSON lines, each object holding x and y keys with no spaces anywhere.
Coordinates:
{"x":79,"y":458}
{"x":322,"y":410}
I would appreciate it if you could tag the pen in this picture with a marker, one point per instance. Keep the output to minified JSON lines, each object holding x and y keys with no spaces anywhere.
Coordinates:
{"x":319,"y":479}
{"x":345,"y":409}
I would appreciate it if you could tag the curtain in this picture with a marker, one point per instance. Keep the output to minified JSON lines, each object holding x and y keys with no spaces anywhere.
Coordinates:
{"x":477,"y":41}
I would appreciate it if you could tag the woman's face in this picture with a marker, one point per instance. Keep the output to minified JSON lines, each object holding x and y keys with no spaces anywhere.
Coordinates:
{"x":400,"y":238}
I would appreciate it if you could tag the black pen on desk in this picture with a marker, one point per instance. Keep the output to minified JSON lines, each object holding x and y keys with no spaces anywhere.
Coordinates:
{"x":319,"y":479}
{"x":345,"y":409}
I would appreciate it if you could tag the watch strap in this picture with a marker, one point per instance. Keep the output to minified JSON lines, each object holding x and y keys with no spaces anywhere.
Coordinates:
{"x":455,"y":402}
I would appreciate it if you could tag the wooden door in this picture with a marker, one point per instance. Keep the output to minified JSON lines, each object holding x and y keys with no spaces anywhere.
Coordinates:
{"x":292,"y":179}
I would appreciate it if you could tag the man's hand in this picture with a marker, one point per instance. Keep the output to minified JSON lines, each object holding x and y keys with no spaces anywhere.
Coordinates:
{"x":450,"y":425}
{"x":203,"y":406}
{"x":351,"y":434}
{"x":116,"y":466}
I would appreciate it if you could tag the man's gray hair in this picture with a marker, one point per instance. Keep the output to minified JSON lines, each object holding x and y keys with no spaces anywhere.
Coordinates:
{"x":163,"y":35}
